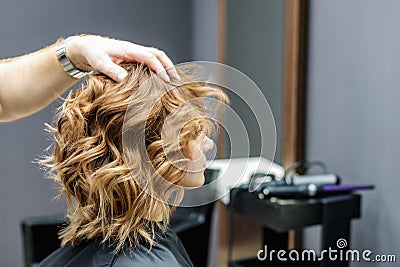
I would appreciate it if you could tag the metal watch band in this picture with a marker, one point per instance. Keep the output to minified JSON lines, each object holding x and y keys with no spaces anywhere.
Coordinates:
{"x":66,"y":64}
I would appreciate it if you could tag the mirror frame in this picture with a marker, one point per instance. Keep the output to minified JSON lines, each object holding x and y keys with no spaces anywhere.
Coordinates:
{"x":294,"y":90}
{"x":295,"y":70}
{"x":294,"y":74}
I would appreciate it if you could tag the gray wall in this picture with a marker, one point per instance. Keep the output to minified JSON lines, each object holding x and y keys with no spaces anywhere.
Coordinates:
{"x":30,"y":25}
{"x":353,"y":110}
{"x":205,"y":30}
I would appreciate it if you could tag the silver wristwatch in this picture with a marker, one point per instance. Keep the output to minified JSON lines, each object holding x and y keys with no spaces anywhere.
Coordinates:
{"x":66,"y":64}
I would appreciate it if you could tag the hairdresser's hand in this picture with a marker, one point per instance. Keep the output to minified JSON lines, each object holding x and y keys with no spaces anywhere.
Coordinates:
{"x":88,"y":52}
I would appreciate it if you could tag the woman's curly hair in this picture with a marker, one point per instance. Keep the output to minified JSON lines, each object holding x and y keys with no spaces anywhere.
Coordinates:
{"x":109,"y":190}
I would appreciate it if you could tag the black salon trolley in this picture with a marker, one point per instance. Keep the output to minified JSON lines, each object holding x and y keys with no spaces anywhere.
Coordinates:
{"x":278,"y":216}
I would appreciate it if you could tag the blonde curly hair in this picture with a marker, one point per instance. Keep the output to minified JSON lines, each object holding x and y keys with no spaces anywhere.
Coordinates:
{"x":107,"y":189}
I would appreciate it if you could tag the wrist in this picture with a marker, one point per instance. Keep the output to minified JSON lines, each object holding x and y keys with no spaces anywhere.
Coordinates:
{"x":74,"y":49}
{"x":65,"y":61}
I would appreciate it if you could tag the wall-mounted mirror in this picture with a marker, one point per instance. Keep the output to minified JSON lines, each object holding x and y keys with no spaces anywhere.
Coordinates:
{"x":266,"y":40}
{"x":254,"y":44}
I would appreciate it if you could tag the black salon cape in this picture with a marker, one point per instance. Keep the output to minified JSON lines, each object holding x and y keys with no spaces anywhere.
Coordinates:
{"x":167,"y":252}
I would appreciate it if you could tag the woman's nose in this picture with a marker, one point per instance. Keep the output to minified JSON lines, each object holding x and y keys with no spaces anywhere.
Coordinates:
{"x":208,"y":144}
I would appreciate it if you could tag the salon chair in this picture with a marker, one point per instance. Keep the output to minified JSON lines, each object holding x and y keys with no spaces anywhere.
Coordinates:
{"x":40,"y":237}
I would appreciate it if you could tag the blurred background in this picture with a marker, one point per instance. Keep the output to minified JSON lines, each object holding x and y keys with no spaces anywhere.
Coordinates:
{"x":352,"y":92}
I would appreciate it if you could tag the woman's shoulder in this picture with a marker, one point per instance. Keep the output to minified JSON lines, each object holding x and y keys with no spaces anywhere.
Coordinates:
{"x":167,"y":251}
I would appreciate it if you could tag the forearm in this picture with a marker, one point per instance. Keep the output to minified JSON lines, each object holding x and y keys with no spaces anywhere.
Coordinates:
{"x":31,"y":82}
